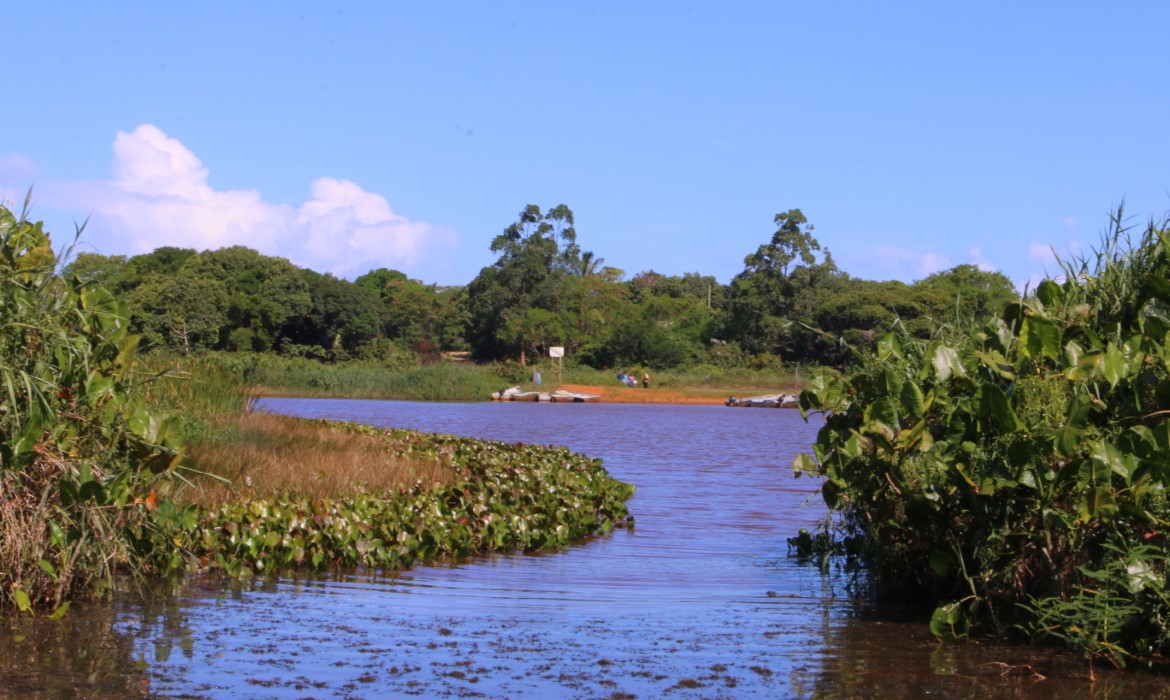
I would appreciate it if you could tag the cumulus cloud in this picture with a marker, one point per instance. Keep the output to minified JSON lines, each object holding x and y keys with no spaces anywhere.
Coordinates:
{"x":158,"y":195}
{"x":907,"y":264}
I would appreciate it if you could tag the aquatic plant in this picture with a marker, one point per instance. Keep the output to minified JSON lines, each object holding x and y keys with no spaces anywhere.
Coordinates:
{"x":1016,"y":473}
{"x":503,"y":497}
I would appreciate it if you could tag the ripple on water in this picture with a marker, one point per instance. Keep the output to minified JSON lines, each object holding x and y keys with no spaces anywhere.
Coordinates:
{"x":700,"y":600}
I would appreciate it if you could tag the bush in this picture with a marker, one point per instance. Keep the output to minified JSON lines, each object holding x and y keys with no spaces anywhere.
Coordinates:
{"x":79,"y":449}
{"x":1016,"y":475}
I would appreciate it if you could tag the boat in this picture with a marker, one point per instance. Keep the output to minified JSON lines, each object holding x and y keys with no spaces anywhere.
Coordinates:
{"x":765,"y":401}
{"x":515,"y":393}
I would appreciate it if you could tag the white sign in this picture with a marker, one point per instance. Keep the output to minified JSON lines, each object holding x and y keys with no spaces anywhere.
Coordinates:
{"x":556,"y":351}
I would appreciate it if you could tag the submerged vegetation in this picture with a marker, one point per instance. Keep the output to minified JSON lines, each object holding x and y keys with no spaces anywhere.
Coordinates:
{"x":1016,"y":472}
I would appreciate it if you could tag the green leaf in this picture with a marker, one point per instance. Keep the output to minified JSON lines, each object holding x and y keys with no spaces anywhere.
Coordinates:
{"x":994,"y":404}
{"x":19,"y":597}
{"x":803,"y":463}
{"x":60,"y":611}
{"x":889,"y":346}
{"x":1040,"y":337}
{"x":997,"y":363}
{"x":1068,"y":438}
{"x":169,"y":432}
{"x":47,"y":567}
{"x":1099,"y":503}
{"x":949,"y":621}
{"x":1118,"y":462}
{"x":946,"y":363}
{"x":1050,"y":294}
{"x":941,"y":562}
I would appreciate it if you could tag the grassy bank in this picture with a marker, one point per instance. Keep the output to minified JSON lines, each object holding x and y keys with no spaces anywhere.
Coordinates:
{"x":113,"y":465}
{"x":262,"y":493}
{"x":282,"y":376}
{"x":463,"y":497}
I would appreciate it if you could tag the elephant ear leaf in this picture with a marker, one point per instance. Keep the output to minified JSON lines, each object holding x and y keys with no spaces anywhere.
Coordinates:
{"x":169,"y":432}
{"x":1068,"y":437}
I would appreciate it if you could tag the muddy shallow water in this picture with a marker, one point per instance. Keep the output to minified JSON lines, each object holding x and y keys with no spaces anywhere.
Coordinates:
{"x":699,"y":600}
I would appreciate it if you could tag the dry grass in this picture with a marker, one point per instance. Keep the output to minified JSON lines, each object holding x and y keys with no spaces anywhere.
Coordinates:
{"x":266,"y":455}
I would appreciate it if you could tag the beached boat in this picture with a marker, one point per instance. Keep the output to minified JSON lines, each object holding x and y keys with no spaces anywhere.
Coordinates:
{"x":765,"y":401}
{"x":560,"y":395}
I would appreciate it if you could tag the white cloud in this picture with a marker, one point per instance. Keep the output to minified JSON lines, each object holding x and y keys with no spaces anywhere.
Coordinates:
{"x":981,"y":261}
{"x":159,"y":195}
{"x":1041,"y":253}
{"x":907,"y":264}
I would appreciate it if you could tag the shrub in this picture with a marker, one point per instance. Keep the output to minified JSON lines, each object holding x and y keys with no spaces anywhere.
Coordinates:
{"x":1015,"y":474}
{"x":79,"y":449}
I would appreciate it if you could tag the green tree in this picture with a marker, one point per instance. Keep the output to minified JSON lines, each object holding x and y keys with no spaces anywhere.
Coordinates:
{"x":183,"y":311}
{"x":110,"y":271}
{"x":423,"y":316}
{"x":343,"y":315}
{"x":972,"y":292}
{"x":538,"y":254}
{"x":778,"y":291}
{"x":264,"y":293}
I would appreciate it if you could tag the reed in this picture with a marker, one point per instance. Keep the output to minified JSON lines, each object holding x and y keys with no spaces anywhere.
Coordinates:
{"x":258,"y":455}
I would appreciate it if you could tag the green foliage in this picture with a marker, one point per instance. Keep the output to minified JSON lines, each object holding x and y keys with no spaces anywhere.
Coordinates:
{"x":342,"y":316}
{"x":263,"y":293}
{"x":406,"y":380}
{"x":80,"y":451}
{"x":180,"y":311}
{"x":518,"y":304}
{"x":1017,"y":475}
{"x":772,"y":300}
{"x":506,"y":497}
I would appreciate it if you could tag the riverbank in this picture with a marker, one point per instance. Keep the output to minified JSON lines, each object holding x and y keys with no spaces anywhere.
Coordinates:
{"x":670,"y":396}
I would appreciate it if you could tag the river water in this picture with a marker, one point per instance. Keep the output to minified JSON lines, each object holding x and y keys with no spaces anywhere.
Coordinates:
{"x":700,"y":600}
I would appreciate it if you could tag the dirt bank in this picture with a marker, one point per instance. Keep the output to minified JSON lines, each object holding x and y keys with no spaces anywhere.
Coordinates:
{"x":624,"y":394}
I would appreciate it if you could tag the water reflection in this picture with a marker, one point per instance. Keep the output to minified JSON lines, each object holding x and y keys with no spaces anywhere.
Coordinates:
{"x":700,"y":600}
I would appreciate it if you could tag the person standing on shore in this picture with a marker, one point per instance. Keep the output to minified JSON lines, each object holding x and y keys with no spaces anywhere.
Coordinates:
{"x":645,"y":381}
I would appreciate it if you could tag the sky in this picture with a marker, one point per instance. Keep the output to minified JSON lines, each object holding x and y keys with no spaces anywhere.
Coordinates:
{"x":915,"y":136}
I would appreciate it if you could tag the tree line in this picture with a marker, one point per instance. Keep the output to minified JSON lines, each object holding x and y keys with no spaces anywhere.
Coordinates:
{"x":789,"y":304}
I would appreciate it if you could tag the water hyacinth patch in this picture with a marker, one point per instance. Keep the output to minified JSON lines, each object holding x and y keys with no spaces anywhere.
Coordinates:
{"x":506,"y":497}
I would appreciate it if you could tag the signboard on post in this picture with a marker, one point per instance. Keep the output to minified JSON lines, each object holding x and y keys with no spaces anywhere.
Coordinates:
{"x":557,"y":353}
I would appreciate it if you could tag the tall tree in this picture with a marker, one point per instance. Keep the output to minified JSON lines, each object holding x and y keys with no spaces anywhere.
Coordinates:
{"x":778,"y":290}
{"x":538,"y":254}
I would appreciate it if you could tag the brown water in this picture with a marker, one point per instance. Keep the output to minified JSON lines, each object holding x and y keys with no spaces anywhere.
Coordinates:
{"x":699,"y":601}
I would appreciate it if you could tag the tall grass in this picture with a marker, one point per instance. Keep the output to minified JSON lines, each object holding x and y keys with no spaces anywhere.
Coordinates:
{"x":442,"y":381}
{"x":261,"y":455}
{"x":79,"y":448}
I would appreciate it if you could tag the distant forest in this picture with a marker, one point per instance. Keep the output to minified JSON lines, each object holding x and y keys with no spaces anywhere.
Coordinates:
{"x":790,"y":304}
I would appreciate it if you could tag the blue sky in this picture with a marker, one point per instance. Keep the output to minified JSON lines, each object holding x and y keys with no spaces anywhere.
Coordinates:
{"x":350,"y":136}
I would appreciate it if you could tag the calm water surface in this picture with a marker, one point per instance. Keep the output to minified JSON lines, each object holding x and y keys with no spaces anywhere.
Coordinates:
{"x":699,"y":601}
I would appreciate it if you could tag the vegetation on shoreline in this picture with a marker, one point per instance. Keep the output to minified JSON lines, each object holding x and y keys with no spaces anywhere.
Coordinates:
{"x":489,"y":496}
{"x":80,"y":448}
{"x":94,"y":480}
{"x":542,"y":291}
{"x":1016,"y":472}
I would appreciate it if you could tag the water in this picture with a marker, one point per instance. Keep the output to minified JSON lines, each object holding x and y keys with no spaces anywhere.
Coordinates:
{"x":700,"y":600}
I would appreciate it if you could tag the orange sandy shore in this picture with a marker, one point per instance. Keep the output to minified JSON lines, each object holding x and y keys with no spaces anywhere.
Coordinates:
{"x":625,"y":394}
{"x":607,"y":394}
